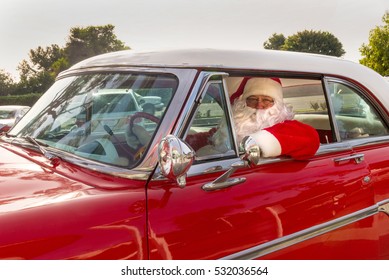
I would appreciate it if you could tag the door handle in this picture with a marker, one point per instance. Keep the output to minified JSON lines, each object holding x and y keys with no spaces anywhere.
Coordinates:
{"x":224,"y":181}
{"x":358,"y":158}
{"x":222,"y":185}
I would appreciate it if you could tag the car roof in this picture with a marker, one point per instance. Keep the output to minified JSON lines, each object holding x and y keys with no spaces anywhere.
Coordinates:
{"x":266,"y":60}
{"x":214,"y":58}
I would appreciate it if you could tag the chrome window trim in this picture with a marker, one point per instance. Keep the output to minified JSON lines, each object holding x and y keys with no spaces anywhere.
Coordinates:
{"x":333,"y":148}
{"x":363,"y":92}
{"x":331,"y":110}
{"x":194,"y":99}
{"x":228,"y":115}
{"x":303,"y":235}
{"x":359,"y":142}
{"x":185,"y":119}
{"x":348,"y":145}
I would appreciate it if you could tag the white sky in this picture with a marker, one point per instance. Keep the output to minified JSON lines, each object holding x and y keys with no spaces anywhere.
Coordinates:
{"x":150,"y":24}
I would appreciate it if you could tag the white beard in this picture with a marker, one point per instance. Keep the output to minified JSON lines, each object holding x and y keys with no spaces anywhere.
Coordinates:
{"x":249,"y":120}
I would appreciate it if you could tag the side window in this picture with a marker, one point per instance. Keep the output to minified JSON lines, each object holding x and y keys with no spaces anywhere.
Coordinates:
{"x":210,"y":133}
{"x":354,"y":115}
{"x":307,"y":99}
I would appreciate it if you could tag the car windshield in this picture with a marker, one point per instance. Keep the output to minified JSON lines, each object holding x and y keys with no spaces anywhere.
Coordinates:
{"x":92,"y":116}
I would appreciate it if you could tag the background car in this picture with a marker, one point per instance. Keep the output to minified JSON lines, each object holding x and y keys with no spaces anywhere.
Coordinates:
{"x":10,"y":114}
{"x":92,"y":188}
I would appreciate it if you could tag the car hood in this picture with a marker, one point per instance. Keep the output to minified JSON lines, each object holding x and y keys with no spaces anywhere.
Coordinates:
{"x":7,"y":122}
{"x":25,"y":184}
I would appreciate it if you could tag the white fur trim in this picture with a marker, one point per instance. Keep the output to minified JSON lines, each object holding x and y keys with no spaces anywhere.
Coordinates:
{"x":263,"y":86}
{"x":268,"y":143}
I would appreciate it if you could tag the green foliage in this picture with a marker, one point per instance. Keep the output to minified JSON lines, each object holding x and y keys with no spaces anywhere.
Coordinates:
{"x":375,"y":54}
{"x":319,"y":42}
{"x":275,"y":42}
{"x":40,"y":82}
{"x":43,"y":58}
{"x":90,"y":41}
{"x":37,"y":74}
{"x":25,"y":99}
{"x":45,"y":63}
{"x":6,"y":83}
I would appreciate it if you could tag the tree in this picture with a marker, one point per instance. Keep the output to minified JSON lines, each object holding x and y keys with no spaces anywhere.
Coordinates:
{"x":275,"y":42}
{"x":319,"y":42}
{"x":6,"y":83}
{"x":90,"y":41}
{"x":375,"y":54}
{"x":45,"y":63}
{"x":38,"y":74}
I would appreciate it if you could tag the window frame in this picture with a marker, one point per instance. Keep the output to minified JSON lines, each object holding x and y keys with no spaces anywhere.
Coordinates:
{"x":232,"y":152}
{"x":208,"y":79}
{"x":337,"y":145}
{"x":363,"y":95}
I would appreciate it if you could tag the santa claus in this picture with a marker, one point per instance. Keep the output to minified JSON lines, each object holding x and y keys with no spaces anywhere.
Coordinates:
{"x":260,"y":112}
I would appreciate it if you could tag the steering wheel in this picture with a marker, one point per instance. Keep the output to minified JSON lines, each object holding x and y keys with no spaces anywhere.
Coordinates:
{"x":130,"y":134}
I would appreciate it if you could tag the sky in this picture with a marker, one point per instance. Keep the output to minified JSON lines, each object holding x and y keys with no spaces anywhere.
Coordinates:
{"x":161,"y":24}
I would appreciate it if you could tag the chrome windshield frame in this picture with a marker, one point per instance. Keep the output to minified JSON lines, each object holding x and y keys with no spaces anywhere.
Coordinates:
{"x":149,"y":161}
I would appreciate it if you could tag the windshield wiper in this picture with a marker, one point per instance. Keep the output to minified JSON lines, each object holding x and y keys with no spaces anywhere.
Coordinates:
{"x":40,"y":145}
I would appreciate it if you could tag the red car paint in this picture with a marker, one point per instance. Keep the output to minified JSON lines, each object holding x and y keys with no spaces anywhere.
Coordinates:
{"x":47,"y":215}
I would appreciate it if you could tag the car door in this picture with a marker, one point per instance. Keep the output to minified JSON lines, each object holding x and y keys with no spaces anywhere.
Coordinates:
{"x":280,"y":208}
{"x":363,"y":124}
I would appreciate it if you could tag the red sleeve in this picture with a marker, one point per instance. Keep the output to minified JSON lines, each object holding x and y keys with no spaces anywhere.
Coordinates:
{"x":296,"y":139}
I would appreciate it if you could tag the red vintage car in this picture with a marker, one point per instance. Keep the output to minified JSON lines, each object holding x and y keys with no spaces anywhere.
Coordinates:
{"x":77,"y":183}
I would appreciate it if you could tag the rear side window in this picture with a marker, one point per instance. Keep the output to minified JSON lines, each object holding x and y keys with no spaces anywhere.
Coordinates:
{"x":355,"y":116}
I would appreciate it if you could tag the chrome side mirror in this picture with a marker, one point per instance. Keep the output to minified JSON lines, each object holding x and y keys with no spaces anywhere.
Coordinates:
{"x":175,"y":158}
{"x":252,"y":152}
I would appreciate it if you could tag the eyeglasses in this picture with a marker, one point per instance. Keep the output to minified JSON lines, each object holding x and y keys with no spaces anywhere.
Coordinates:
{"x":254,"y":101}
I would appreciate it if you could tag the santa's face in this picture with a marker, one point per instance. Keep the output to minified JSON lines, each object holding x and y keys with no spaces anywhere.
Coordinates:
{"x":259,"y":101}
{"x":258,"y":111}
{"x":250,"y":116}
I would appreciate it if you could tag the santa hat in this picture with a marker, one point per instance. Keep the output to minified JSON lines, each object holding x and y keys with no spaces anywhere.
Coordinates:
{"x":258,"y":86}
{"x":289,"y":138}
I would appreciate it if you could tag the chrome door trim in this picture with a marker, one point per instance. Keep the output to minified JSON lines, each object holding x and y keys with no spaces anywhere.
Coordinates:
{"x":303,"y":235}
{"x":358,"y":158}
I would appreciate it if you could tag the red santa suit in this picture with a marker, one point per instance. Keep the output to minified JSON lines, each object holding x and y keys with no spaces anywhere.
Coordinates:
{"x":281,"y":135}
{"x":290,"y":138}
